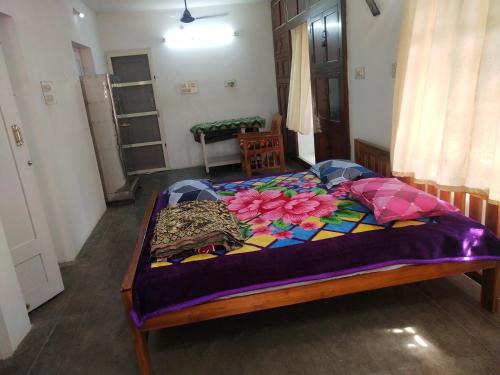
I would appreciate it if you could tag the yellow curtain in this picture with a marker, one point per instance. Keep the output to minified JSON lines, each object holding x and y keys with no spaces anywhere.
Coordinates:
{"x":446,"y":113}
{"x":300,"y":115}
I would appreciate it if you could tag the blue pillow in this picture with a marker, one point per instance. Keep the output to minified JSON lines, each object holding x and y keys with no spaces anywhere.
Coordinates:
{"x":190,"y":190}
{"x":333,"y":172}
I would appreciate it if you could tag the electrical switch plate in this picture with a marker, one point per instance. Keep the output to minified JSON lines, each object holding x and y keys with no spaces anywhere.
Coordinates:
{"x":394,"y":66}
{"x":189,"y":87}
{"x":359,"y":73}
{"x":48,"y":92}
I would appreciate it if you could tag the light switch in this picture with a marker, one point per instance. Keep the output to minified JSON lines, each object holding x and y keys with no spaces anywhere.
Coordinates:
{"x":394,"y":67}
{"x":359,"y":72}
{"x":189,"y":87}
{"x":48,"y":92}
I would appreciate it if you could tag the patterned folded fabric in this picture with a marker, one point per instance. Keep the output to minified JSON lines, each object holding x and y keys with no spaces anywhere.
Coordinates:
{"x":193,"y":225}
{"x":391,"y":199}
{"x":333,"y":172}
{"x":190,"y":190}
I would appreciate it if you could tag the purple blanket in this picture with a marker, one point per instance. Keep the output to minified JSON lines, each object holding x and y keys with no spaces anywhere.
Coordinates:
{"x":446,"y":238}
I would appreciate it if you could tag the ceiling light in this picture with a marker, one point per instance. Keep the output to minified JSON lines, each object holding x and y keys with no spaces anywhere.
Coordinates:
{"x":199,"y":36}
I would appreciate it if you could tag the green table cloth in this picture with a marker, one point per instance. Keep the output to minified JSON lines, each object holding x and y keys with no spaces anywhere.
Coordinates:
{"x":226,"y":129}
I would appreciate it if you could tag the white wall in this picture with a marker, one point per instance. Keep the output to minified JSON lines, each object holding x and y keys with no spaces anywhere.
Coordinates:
{"x":248,"y":59}
{"x":14,"y":321}
{"x":36,"y":38}
{"x":372,"y":42}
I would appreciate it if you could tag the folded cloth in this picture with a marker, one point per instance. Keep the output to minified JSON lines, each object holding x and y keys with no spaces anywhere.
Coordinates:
{"x":195,"y":224}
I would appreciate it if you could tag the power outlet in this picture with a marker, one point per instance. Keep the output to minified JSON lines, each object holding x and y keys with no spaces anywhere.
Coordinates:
{"x":230,"y":83}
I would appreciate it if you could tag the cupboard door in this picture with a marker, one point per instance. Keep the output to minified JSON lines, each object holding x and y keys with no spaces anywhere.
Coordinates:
{"x":291,"y":9}
{"x":334,"y":98}
{"x":321,"y":102}
{"x":333,"y":140}
{"x":275,"y":15}
{"x":301,"y":6}
{"x":282,"y":12}
{"x":332,"y":27}
{"x":318,"y":40}
{"x":283,"y":98}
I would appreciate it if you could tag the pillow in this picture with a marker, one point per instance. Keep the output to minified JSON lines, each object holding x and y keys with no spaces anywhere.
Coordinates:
{"x":190,"y":190}
{"x":391,"y":199}
{"x":334,"y":172}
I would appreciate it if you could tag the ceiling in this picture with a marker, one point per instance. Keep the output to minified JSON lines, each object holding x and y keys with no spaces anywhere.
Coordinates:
{"x":139,"y":5}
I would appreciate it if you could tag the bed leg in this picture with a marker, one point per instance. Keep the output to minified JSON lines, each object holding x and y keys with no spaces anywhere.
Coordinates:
{"x":490,"y":289}
{"x":140,"y":337}
{"x":141,"y":350}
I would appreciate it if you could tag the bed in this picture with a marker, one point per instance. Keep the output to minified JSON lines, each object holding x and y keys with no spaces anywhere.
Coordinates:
{"x":328,"y":254}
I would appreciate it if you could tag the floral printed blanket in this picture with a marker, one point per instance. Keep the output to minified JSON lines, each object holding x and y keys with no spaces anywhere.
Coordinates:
{"x":290,"y":209}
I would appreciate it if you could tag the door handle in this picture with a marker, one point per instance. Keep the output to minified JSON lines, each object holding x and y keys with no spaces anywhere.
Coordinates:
{"x":18,"y":136}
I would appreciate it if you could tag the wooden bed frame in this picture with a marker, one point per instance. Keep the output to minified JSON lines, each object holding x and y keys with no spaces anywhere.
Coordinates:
{"x":377,"y":159}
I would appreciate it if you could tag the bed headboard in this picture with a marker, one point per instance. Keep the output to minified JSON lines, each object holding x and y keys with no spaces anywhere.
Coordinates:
{"x":475,"y":206}
{"x":373,"y":157}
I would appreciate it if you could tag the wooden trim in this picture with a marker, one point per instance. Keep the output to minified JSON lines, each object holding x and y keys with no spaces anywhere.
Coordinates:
{"x":372,"y":157}
{"x":311,"y":292}
{"x":128,"y":280}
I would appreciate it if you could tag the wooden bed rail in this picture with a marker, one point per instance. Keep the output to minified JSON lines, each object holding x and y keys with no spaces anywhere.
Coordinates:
{"x":474,"y":206}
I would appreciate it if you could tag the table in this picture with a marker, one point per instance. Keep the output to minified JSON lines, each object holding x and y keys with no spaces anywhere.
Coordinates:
{"x":211,"y":132}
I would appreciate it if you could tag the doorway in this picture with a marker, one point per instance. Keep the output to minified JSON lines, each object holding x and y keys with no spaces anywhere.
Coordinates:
{"x":133,"y":85}
{"x":83,"y":59}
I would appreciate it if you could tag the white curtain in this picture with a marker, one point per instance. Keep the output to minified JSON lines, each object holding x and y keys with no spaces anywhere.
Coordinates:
{"x":446,"y":117}
{"x":300,"y":114}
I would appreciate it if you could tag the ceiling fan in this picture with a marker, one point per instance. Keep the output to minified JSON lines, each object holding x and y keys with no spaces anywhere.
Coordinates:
{"x":188,"y":18}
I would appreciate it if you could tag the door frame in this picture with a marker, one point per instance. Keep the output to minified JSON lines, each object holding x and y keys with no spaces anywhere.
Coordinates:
{"x":22,"y":159}
{"x":135,"y":52}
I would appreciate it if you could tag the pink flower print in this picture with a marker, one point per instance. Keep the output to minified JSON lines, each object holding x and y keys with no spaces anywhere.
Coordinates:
{"x":309,"y":225}
{"x":340,"y":191}
{"x":260,"y":230}
{"x":258,"y":220}
{"x":248,"y":204}
{"x":282,"y":234}
{"x":301,"y":206}
{"x":308,"y":185}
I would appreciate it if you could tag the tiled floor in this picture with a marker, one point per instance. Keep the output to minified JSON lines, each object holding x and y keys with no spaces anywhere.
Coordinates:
{"x":84,"y":331}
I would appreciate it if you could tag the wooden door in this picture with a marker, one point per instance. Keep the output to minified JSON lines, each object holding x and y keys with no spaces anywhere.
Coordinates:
{"x":329,"y":83}
{"x":24,"y":220}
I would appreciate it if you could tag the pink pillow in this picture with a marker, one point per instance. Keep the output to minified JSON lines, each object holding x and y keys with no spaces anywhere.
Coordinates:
{"x":391,"y":199}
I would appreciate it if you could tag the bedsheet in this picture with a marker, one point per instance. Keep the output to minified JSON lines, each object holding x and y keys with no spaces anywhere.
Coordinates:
{"x":297,"y":231}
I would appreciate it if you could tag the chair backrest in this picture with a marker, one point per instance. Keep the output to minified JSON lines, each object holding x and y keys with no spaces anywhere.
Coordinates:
{"x":276,"y":123}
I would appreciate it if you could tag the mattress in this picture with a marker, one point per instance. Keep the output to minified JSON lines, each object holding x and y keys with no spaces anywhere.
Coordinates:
{"x":298,"y":232}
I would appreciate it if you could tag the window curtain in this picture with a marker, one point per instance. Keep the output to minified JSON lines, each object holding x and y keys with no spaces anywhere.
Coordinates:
{"x":446,"y":113}
{"x":300,"y":114}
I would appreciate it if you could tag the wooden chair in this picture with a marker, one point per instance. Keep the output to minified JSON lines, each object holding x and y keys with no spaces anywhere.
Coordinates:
{"x":263,"y":151}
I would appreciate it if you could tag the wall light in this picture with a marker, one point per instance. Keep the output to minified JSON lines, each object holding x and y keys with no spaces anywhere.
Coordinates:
{"x":199,"y":36}
{"x":78,"y":13}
